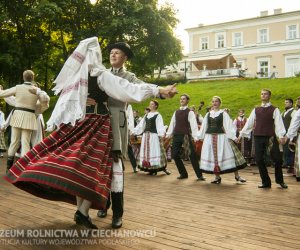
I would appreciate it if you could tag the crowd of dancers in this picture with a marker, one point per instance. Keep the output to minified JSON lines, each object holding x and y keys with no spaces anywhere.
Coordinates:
{"x":81,"y":162}
{"x":227,"y":145}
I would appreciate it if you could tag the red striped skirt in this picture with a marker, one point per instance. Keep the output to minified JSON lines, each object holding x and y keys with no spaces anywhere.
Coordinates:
{"x":72,"y":161}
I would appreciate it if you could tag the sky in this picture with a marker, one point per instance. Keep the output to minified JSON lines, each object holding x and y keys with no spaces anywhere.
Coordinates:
{"x":193,"y":12}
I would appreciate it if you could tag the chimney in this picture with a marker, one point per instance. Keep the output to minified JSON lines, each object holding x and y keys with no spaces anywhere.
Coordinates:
{"x":263,"y":13}
{"x":277,"y":11}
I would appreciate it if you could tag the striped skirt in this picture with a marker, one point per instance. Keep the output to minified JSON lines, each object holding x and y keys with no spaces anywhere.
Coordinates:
{"x":2,"y":143}
{"x":72,"y":161}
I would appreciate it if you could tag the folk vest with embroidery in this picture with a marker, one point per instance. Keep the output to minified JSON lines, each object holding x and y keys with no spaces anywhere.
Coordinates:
{"x":240,"y":124}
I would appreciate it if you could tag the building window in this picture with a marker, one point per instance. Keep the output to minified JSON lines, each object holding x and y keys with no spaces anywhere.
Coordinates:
{"x":292,"y":31}
{"x":220,"y":40}
{"x":263,"y":68}
{"x":204,"y":43}
{"x":292,"y":66}
{"x":240,"y":64}
{"x":237,"y":39}
{"x":263,"y":36}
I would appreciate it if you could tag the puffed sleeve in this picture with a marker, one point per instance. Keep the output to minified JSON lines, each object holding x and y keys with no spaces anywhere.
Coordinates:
{"x":139,"y":129}
{"x":202,"y":131}
{"x":121,"y":89}
{"x":160,"y":125}
{"x":228,"y":127}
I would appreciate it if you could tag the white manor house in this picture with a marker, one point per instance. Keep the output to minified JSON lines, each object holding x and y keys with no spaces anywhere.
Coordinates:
{"x":266,"y":46}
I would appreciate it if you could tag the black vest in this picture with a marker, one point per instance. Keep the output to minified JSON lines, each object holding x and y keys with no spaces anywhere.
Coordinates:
{"x":215,"y":125}
{"x":98,"y":95}
{"x":287,"y":119}
{"x":151,"y":124}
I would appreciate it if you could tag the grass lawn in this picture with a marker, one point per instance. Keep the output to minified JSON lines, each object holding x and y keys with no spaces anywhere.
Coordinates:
{"x":235,"y":94}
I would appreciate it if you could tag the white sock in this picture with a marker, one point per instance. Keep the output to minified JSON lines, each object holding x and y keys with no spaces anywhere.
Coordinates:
{"x":79,"y":201}
{"x":85,"y":206}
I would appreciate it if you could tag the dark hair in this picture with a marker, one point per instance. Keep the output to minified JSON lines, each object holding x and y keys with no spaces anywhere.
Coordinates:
{"x":290,"y":100}
{"x":147,"y":109}
{"x":186,"y":96}
{"x":156,"y":103}
{"x":267,"y":90}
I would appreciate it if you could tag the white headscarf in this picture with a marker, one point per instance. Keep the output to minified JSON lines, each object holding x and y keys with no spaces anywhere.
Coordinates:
{"x":72,"y":83}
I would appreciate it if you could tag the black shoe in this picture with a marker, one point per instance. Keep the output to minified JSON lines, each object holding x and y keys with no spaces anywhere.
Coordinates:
{"x":167,"y":172}
{"x":152,"y":173}
{"x":297,"y":178}
{"x":240,"y":179}
{"x":86,"y":221}
{"x":217,"y":180}
{"x":182,"y":177}
{"x":135,"y":170}
{"x":102,"y":213}
{"x":116,"y":222}
{"x":77,"y":218}
{"x":264,"y":186}
{"x":283,"y":185}
{"x":201,"y":178}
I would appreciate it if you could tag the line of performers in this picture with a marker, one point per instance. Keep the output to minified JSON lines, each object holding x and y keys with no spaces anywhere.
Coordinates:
{"x":216,"y":147}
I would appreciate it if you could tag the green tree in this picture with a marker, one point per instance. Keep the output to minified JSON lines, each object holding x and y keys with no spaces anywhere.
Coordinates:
{"x":41,"y":34}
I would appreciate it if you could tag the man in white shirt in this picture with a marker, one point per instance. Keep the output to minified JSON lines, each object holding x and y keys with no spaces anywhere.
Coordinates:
{"x":268,"y":125}
{"x":287,"y":115}
{"x":183,"y":123}
{"x":292,"y":135}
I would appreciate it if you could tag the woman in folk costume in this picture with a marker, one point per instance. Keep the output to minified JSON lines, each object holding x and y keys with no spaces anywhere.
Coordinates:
{"x":219,"y":153}
{"x":29,"y":99}
{"x":246,"y":144}
{"x":74,"y":163}
{"x":153,"y":156}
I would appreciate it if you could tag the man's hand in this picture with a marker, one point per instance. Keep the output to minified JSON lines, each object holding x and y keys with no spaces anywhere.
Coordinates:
{"x":90,"y":102}
{"x":33,"y":90}
{"x":168,"y":91}
{"x":283,"y":140}
{"x":238,"y":140}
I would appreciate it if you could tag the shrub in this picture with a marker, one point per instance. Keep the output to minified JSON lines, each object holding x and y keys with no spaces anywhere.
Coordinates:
{"x":165,"y":81}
